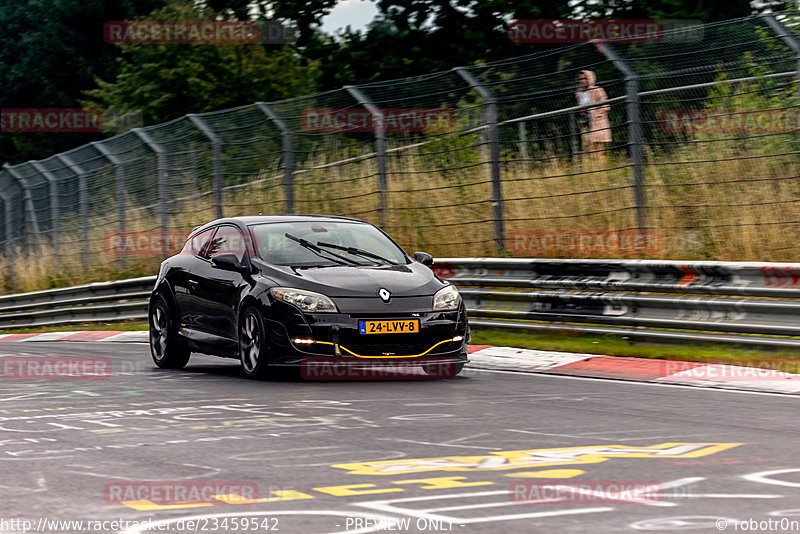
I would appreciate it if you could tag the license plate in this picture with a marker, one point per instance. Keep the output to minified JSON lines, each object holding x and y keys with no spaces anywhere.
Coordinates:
{"x":405,"y":326}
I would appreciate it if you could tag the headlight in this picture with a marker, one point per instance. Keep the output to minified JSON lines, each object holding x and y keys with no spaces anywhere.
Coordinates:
{"x":446,"y":298}
{"x":307,"y":301}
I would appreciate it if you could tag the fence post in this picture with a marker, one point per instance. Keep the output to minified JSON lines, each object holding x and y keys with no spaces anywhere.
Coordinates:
{"x":634,"y":129}
{"x":288,"y":153}
{"x":54,"y":207}
{"x":523,"y":146}
{"x":494,"y":153}
{"x":9,"y":228}
{"x":7,"y":222}
{"x":216,"y":147}
{"x":30,"y":210}
{"x":573,"y":136}
{"x":380,"y":146}
{"x":83,"y":203}
{"x":161,"y":156}
{"x":787,"y":37}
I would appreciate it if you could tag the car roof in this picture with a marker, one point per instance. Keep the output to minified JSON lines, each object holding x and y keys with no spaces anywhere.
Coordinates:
{"x":260,"y":219}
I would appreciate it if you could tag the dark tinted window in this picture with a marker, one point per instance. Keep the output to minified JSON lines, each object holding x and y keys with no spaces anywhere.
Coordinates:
{"x":228,"y":240}
{"x":196,"y":245}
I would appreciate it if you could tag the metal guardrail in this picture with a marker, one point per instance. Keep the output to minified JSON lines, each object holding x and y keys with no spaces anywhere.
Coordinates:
{"x":748,"y":303}
{"x":728,"y":302}
{"x":96,"y":302}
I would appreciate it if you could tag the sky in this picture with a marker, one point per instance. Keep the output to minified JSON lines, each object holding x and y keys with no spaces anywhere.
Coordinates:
{"x":356,"y":13}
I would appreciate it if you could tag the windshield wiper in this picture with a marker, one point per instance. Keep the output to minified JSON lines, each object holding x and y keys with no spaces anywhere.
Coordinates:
{"x":318,"y":251}
{"x":354,"y":250}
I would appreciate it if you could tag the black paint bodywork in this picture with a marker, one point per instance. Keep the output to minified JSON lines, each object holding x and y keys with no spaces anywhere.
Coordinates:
{"x":207,"y":301}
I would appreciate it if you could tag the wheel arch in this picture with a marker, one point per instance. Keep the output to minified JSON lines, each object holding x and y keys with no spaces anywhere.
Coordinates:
{"x":164,"y":291}
{"x":256,"y":300}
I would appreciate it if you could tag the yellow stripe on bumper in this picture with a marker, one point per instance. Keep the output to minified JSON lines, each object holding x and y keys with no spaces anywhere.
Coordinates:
{"x":384,"y":356}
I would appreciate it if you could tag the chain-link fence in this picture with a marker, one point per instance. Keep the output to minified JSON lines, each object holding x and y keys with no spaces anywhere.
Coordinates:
{"x":495,"y":159}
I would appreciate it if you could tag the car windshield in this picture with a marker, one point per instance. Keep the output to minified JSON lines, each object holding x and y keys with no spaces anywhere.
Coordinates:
{"x":325,"y":243}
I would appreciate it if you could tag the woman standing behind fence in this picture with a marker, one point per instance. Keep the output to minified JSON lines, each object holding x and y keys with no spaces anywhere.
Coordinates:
{"x":595,"y":128}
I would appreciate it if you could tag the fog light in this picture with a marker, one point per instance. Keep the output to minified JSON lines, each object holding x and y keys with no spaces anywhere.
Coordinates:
{"x":303,"y":341}
{"x":458,"y":338}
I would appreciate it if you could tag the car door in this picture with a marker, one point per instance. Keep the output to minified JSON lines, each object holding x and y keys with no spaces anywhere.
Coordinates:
{"x":179,"y":274}
{"x":216,"y":292}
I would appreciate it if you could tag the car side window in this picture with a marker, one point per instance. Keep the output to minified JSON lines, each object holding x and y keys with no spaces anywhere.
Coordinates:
{"x":197,"y":245}
{"x":228,"y":240}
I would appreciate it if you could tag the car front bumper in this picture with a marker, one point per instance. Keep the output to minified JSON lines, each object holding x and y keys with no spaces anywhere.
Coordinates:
{"x":298,"y":338}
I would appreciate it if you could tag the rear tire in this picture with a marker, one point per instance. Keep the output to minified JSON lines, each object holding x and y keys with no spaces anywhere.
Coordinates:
{"x":165,"y":348}
{"x":253,"y":353}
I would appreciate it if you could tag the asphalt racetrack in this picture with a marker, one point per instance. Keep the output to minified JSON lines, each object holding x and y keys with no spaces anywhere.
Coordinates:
{"x":205,"y":450}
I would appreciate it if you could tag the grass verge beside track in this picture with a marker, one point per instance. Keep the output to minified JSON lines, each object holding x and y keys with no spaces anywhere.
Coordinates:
{"x":80,"y":327}
{"x":781,"y":359}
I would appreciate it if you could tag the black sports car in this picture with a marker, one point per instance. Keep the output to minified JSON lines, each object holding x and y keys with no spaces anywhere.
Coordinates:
{"x":291,"y":290}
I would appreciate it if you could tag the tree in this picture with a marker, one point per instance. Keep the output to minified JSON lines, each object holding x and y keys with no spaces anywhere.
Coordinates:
{"x":51,"y":53}
{"x":166,"y":81}
{"x":703,"y":10}
{"x":411,"y":37}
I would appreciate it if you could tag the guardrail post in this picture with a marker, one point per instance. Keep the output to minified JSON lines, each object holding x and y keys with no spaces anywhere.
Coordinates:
{"x":380,"y":145}
{"x":288,"y":153}
{"x":634,"y":128}
{"x":494,"y":153}
{"x":161,"y":156}
{"x":54,"y":207}
{"x":83,"y":203}
{"x":787,"y":37}
{"x":216,"y":156}
{"x":30,"y":211}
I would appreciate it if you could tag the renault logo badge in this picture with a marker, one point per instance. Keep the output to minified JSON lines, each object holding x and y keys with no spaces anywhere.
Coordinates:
{"x":384,"y":294}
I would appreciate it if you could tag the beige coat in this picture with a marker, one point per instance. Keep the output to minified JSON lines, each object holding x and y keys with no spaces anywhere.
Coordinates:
{"x":599,"y":127}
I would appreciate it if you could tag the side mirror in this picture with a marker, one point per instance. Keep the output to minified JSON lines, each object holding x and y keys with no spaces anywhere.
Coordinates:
{"x":228,"y":262}
{"x":424,"y":258}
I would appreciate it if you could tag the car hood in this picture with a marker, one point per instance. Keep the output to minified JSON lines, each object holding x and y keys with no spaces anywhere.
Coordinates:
{"x":412,"y":280}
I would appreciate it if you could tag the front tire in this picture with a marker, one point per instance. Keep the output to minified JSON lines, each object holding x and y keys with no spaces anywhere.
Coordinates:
{"x":253,"y":354}
{"x":165,"y":348}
